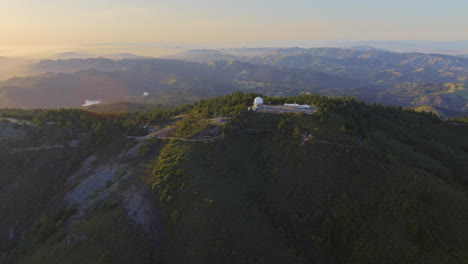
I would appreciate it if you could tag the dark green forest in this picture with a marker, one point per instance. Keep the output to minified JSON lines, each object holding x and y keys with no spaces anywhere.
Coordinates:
{"x":351,"y":183}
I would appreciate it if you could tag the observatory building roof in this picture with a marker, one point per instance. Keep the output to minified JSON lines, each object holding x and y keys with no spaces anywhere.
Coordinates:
{"x":258,"y":100}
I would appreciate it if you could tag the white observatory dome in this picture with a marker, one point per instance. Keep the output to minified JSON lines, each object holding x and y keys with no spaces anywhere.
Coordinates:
{"x":258,"y":101}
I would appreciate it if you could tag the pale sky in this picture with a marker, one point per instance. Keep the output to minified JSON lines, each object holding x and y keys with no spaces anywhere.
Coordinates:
{"x":65,"y":22}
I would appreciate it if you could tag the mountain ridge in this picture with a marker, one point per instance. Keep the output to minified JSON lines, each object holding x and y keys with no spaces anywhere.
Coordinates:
{"x":352,"y":183}
{"x":369,"y":74}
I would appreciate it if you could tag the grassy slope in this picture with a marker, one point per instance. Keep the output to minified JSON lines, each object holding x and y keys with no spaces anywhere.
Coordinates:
{"x":457,"y":89}
{"x":29,"y":182}
{"x":107,"y":238}
{"x":431,"y":109}
{"x":33,"y":188}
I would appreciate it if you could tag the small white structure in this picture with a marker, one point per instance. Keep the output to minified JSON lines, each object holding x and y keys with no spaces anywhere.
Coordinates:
{"x":258,"y":103}
{"x":145,"y":94}
{"x":91,"y":102}
{"x":298,"y":106}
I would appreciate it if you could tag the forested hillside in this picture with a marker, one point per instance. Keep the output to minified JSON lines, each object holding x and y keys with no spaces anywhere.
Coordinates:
{"x":210,"y":182}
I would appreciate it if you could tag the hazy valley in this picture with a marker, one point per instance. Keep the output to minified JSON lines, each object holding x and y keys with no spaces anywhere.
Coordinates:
{"x":370,"y":74}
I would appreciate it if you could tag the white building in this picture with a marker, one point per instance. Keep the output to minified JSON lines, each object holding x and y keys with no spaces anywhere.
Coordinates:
{"x":297,"y":106}
{"x":258,"y":103}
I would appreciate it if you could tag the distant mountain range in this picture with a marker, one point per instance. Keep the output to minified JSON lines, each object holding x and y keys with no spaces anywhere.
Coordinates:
{"x":71,"y":82}
{"x":422,"y":81}
{"x":10,"y":66}
{"x":445,"y":47}
{"x":365,"y":63}
{"x":113,"y":56}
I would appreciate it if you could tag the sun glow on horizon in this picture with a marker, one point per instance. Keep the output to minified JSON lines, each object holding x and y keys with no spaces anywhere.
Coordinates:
{"x":68,"y":22}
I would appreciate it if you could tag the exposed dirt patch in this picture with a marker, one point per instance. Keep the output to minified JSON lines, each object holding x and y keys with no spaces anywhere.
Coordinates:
{"x":117,"y":179}
{"x":98,"y":180}
{"x":10,"y":133}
